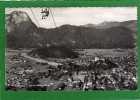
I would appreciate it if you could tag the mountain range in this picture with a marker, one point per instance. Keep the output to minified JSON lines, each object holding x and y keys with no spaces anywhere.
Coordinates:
{"x":21,"y":32}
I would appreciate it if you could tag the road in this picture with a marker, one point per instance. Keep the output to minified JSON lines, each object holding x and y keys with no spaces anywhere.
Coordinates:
{"x":40,"y":60}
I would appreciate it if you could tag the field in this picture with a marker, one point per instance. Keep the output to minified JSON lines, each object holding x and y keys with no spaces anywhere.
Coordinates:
{"x":95,"y":69}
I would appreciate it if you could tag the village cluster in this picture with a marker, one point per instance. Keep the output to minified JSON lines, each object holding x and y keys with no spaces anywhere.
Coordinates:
{"x":97,"y":73}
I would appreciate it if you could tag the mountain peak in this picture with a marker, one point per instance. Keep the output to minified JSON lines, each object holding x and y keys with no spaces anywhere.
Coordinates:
{"x":21,"y":30}
{"x":89,"y":25}
{"x":15,"y":18}
{"x":23,"y":33}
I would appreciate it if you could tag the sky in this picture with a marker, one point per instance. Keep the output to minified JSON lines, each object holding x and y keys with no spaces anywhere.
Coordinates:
{"x":79,"y":15}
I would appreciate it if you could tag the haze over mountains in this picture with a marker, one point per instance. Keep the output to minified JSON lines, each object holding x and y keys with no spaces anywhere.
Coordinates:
{"x":23,"y":33}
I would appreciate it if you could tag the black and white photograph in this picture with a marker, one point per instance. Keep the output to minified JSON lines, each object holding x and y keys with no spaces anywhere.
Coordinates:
{"x":71,"y":49}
